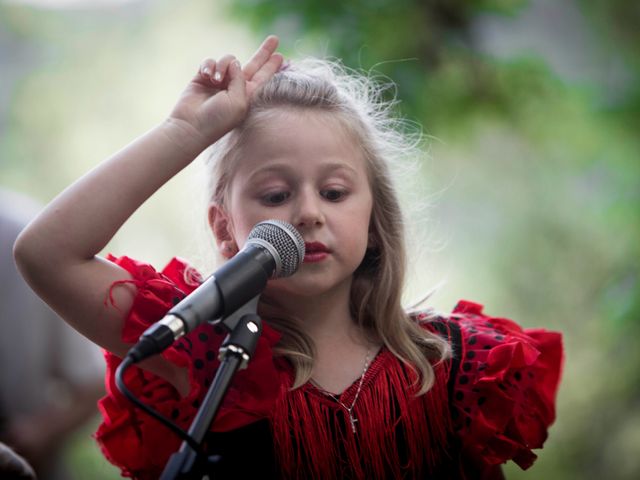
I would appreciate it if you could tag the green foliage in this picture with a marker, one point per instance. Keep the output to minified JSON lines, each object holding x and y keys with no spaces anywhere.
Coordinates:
{"x":420,"y":45}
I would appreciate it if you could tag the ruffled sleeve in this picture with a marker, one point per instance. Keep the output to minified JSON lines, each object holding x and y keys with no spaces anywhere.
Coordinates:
{"x":139,"y":444}
{"x":505,"y":386}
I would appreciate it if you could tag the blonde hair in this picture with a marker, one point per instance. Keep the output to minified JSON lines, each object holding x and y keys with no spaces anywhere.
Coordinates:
{"x":356,"y":102}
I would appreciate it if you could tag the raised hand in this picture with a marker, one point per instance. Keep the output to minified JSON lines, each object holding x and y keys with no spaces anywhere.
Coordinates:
{"x":217,"y":98}
{"x":58,"y":253}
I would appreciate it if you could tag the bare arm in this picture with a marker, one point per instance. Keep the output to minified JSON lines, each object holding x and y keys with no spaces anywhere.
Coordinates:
{"x":57,"y":252}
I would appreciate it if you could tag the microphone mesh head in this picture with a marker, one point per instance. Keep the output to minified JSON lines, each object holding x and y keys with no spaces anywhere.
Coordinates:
{"x":286,"y":241}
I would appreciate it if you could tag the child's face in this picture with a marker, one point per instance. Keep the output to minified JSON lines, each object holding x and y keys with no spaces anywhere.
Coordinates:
{"x":303,"y":168}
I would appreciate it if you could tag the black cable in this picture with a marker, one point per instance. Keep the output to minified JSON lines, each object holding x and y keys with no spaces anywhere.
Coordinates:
{"x":126,"y":363}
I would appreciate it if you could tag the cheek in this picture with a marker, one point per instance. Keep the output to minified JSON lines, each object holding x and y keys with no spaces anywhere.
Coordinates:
{"x":362,"y":214}
{"x":245,"y":213}
{"x":239,"y":229}
{"x":356,"y":226}
{"x":244,"y":219}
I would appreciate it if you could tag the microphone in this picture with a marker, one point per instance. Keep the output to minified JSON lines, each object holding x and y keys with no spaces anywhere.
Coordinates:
{"x":274,"y":249}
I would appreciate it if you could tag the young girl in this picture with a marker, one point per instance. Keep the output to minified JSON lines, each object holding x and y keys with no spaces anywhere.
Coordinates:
{"x":344,"y":383}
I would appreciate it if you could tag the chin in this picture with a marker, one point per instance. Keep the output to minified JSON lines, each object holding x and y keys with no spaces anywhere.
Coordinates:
{"x":299,"y":286}
{"x":275,"y":289}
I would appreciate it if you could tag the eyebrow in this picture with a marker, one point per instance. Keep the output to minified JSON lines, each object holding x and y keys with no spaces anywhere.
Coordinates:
{"x":284,"y":168}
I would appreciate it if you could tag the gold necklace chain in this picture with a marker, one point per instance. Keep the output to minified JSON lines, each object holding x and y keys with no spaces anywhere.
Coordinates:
{"x":349,"y":410}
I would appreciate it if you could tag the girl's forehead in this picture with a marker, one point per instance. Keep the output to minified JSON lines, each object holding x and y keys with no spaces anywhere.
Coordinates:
{"x":300,"y":139}
{"x":281,"y":127}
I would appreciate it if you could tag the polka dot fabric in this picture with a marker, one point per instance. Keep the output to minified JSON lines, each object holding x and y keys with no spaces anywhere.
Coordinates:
{"x":129,"y":438}
{"x":504,"y":390}
{"x":502,"y":383}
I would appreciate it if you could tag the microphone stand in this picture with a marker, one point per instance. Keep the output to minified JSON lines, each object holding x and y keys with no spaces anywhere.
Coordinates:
{"x":235,"y":352}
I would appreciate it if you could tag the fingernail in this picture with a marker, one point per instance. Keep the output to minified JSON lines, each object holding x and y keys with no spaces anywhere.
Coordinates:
{"x":217,"y":77}
{"x":206,"y":71}
{"x":284,"y":66}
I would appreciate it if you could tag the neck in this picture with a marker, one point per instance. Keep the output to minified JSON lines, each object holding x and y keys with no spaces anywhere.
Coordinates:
{"x":326,"y":318}
{"x":322,"y":315}
{"x":341,"y":346}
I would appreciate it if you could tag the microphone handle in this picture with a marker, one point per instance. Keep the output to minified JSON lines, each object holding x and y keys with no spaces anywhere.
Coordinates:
{"x":232,"y":286}
{"x":243,"y":278}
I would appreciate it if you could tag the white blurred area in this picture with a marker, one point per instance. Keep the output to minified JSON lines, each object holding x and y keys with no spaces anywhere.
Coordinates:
{"x":82,"y":78}
{"x":73,"y":3}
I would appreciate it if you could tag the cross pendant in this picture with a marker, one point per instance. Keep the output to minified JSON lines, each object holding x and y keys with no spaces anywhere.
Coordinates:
{"x":353,"y":421}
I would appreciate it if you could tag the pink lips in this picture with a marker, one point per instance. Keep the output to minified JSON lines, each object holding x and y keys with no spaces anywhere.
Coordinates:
{"x":315,"y":252}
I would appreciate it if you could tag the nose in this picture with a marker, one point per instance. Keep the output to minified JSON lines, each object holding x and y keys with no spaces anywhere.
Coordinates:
{"x":308,"y":212}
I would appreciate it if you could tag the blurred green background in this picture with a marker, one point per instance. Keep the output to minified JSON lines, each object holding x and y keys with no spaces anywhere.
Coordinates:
{"x":528,"y":197}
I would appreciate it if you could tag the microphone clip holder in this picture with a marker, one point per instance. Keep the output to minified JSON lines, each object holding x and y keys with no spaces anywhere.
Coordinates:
{"x":244,"y":327}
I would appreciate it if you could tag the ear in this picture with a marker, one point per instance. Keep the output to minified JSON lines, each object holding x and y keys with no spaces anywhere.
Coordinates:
{"x":220,"y":225}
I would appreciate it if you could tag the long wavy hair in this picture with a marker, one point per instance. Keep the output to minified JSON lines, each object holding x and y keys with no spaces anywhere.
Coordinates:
{"x":355,"y":100}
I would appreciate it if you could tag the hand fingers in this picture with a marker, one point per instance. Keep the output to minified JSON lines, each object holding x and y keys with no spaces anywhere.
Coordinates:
{"x":207,"y":70}
{"x":268,"y":69}
{"x":215,"y":73}
{"x":262,"y":56}
{"x":237,"y":82}
{"x":221,"y":75}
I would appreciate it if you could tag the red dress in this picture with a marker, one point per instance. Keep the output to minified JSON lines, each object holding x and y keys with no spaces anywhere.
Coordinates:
{"x":492,"y":402}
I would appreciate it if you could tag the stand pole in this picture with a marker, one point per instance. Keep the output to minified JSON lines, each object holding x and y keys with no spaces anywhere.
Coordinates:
{"x":235,"y":352}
